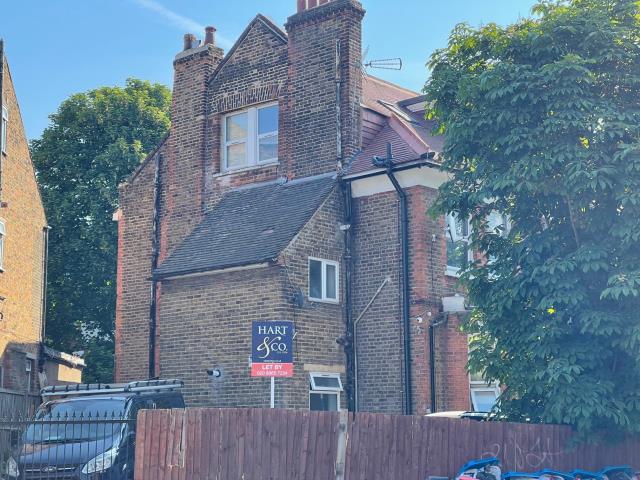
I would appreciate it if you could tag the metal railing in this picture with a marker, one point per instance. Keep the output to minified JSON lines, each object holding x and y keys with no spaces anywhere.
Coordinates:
{"x":67,"y":447}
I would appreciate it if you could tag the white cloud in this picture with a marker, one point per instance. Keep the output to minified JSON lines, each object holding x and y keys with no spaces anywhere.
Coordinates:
{"x":180,"y":21}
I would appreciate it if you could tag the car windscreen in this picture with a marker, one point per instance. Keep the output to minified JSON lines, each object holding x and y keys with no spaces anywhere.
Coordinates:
{"x":76,"y":421}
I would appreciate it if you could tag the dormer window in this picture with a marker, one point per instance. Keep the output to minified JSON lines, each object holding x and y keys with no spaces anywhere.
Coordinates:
{"x":250,"y":137}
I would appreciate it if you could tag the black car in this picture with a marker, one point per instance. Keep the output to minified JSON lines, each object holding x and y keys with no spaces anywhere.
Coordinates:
{"x":87,"y":432}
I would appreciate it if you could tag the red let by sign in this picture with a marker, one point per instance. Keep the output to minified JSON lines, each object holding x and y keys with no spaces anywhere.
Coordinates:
{"x":272,"y":369}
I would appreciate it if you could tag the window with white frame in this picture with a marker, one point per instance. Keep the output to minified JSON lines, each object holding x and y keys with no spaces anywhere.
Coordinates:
{"x":498,"y":223}
{"x":484,"y":394}
{"x":324,"y":392}
{"x":250,"y":137}
{"x":457,"y":236}
{"x":29,"y":371}
{"x":323,"y":280}
{"x":484,"y":397}
{"x":3,"y":133}
{"x":3,"y":234}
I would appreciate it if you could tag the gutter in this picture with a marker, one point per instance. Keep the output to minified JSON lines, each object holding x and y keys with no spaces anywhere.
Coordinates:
{"x":425,"y":160}
{"x":388,"y":164}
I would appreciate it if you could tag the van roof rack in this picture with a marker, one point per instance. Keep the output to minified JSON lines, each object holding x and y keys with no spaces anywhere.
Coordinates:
{"x":106,"y":388}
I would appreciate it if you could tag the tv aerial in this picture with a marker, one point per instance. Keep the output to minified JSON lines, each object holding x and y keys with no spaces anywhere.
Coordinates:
{"x":380,"y":64}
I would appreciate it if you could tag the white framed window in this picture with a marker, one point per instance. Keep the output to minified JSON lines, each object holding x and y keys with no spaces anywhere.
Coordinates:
{"x":484,"y":398}
{"x":3,"y":133}
{"x":457,"y":234}
{"x":484,"y":394}
{"x":3,"y":234}
{"x":250,"y":137}
{"x":324,"y":392}
{"x":324,"y":280}
{"x":28,"y":366}
{"x":498,"y":223}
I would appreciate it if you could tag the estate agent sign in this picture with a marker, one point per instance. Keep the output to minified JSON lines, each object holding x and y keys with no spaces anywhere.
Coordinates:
{"x":272,"y":349}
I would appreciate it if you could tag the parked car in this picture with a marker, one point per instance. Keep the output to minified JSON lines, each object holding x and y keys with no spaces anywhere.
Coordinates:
{"x":87,"y":432}
{"x":479,"y":416}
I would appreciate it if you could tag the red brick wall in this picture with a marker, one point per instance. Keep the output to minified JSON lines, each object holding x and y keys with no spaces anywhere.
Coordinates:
{"x":380,"y":331}
{"x":452,"y":349}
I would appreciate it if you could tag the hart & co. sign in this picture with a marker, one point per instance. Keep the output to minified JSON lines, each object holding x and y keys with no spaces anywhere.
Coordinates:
{"x":272,"y":349}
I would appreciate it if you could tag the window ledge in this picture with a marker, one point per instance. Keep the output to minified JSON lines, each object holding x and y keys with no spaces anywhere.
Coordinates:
{"x":319,"y":300}
{"x":449,"y":272}
{"x":226,"y":173}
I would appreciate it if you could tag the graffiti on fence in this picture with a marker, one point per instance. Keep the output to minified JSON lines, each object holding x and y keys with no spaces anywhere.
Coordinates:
{"x":535,"y":456}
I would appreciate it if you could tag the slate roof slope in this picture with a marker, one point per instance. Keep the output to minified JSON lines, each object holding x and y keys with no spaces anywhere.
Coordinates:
{"x":410,"y":134}
{"x":250,"y":225}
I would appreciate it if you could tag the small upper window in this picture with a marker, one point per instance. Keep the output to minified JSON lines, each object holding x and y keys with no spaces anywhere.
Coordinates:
{"x":3,"y":233}
{"x":458,"y":252}
{"x":484,"y":393}
{"x":323,"y":280}
{"x":498,"y":223}
{"x":3,"y":134}
{"x":250,"y":137}
{"x":324,"y":393}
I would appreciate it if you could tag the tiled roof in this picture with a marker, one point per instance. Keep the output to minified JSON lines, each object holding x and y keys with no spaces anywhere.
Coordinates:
{"x":402,"y":152}
{"x":375,"y":89}
{"x":408,"y":132}
{"x":250,"y":225}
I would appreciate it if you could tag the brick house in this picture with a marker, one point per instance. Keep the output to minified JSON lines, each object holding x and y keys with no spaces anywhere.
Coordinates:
{"x":23,"y":243}
{"x":264,"y":203}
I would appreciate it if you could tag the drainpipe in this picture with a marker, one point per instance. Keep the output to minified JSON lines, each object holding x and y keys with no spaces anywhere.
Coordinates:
{"x":155,"y":252}
{"x":349,"y":343}
{"x":43,"y":314}
{"x":45,"y":261}
{"x":432,"y":358}
{"x":402,"y":197}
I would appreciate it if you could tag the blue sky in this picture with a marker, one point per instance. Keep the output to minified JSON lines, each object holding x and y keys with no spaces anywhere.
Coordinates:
{"x":56,"y":48}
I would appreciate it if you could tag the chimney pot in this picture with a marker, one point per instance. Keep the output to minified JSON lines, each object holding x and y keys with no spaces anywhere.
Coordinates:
{"x":210,"y":35}
{"x":309,"y":4}
{"x":189,"y":41}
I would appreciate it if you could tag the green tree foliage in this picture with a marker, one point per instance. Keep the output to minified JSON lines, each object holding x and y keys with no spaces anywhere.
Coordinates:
{"x":542,"y":123}
{"x":95,"y":140}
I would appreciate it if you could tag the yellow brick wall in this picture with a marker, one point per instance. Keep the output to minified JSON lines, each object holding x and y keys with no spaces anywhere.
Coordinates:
{"x":21,"y":280}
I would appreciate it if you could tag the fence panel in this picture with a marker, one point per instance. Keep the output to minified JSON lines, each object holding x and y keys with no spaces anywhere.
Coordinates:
{"x":256,"y":444}
{"x":14,"y":403}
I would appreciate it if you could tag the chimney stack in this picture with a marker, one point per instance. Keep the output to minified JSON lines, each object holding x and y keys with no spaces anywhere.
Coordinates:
{"x":210,"y":35}
{"x":193,"y":67}
{"x":324,"y":77}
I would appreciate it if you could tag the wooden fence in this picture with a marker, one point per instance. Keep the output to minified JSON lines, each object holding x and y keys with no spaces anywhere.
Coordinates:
{"x":230,"y":444}
{"x":17,"y":404}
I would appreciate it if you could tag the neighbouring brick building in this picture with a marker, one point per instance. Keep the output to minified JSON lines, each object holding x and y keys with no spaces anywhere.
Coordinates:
{"x":264,"y":203}
{"x":23,"y":242}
